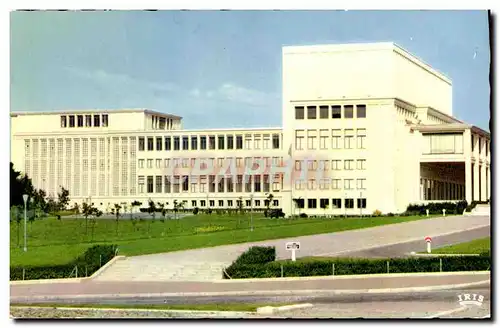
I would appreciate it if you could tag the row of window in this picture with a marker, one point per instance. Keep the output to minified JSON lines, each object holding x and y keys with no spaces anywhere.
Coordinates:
{"x":324,"y":203}
{"x":211,"y":142}
{"x":81,"y":121}
{"x":323,"y":138}
{"x":326,"y":111}
{"x":230,"y":203}
{"x":327,"y":183}
{"x":480,"y":141}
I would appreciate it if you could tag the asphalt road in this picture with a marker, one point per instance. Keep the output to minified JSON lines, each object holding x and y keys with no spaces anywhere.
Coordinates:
{"x":403,"y":249}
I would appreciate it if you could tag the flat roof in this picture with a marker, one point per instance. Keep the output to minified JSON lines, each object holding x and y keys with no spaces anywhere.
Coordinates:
{"x":87,"y":111}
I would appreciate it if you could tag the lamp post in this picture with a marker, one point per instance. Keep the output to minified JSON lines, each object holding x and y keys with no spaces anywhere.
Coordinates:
{"x":25,"y":198}
{"x":251,"y":212}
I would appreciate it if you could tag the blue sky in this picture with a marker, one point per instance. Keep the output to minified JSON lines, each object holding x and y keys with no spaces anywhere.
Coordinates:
{"x":222,"y":68}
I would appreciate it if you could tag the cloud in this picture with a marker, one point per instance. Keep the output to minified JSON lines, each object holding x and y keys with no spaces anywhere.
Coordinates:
{"x":112,"y":80}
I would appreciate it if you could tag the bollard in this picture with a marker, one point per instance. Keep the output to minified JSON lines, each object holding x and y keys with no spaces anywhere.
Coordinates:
{"x":427,"y":211}
{"x":444,"y":212}
{"x":86,"y":272}
{"x":282,"y":271}
{"x":77,"y":271}
{"x":24,"y":272}
{"x":388,"y":267}
{"x":333,"y":269}
{"x":440,"y":265}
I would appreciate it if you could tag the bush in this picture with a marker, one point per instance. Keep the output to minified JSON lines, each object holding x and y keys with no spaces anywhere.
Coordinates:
{"x":88,"y":262}
{"x":196,"y":210}
{"x":303,"y":215}
{"x":257,"y":255}
{"x":474,"y":203}
{"x":377,"y":213}
{"x":275,"y":213}
{"x":437,"y":208}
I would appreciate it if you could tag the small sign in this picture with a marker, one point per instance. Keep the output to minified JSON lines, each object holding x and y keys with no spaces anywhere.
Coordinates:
{"x":428,"y":239}
{"x":292,"y":245}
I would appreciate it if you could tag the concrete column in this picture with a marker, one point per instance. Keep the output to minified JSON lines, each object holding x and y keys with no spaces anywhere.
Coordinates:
{"x":468,"y":181}
{"x":476,"y":180}
{"x":484,"y":196}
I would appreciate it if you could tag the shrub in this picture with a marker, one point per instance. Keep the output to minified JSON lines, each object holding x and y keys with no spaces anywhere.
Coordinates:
{"x":256,"y":255}
{"x":196,"y":210}
{"x":303,"y":215}
{"x":377,"y":213}
{"x":88,"y":262}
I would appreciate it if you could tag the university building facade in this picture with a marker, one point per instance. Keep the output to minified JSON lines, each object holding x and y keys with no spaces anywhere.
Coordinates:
{"x":365,"y":127}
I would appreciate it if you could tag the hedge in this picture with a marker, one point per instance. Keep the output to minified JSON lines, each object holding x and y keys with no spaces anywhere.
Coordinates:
{"x":87,"y":263}
{"x":247,"y":266}
{"x":437,"y":208}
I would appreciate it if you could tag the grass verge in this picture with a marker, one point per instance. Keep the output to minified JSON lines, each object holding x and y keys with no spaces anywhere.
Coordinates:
{"x":476,"y":246}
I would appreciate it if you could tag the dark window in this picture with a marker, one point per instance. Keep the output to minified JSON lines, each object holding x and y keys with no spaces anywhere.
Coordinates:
{"x":323,"y":111}
{"x":203,"y":203}
{"x":276,"y":141}
{"x":360,"y":111}
{"x":185,"y":183}
{"x":248,"y":203}
{"x":336,"y":112}
{"x":257,"y":203}
{"x":221,"y":142}
{"x":276,"y":202}
{"x":168,"y":185}
{"x":159,"y":143}
{"x":348,"y":111}
{"x":105,"y":120}
{"x":194,"y":142}
{"x":239,"y":142}
{"x":211,"y":142}
{"x":211,"y":183}
{"x":168,"y":143}
{"x":471,"y":138}
{"x":480,"y":148}
{"x":230,"y":142}
{"x":185,"y":142}
{"x":300,"y":203}
{"x":141,"y":143}
{"x":177,"y":143}
{"x":212,"y":203}
{"x":80,"y":121}
{"x":150,"y":184}
{"x":336,"y":203}
{"x":203,"y":142}
{"x":97,"y":120}
{"x":311,"y":112}
{"x":229,"y":203}
{"x":88,"y":120}
{"x":361,"y":202}
{"x":64,"y":121}
{"x":220,"y":185}
{"x":299,"y":113}
{"x":311,"y":203}
{"x":150,"y":144}
{"x":193,"y":203}
{"x":349,"y":203}
{"x":159,"y":179}
{"x":221,"y":203}
{"x":324,"y":202}
{"x":257,"y":183}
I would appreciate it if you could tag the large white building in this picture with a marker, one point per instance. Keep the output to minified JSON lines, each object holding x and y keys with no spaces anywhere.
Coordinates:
{"x":365,"y":127}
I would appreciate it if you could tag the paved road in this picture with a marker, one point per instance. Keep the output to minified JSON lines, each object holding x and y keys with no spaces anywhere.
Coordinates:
{"x":206,"y":263}
{"x":403,"y":249}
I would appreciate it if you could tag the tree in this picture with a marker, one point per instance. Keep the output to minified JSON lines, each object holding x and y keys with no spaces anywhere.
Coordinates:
{"x":152,"y":212}
{"x":87,"y":210}
{"x":96,"y":214}
{"x":15,"y":216}
{"x":19,"y":185}
{"x":116,"y":212}
{"x":297,"y":202}
{"x":63,"y":198}
{"x":134,"y":204}
{"x":268,"y":201}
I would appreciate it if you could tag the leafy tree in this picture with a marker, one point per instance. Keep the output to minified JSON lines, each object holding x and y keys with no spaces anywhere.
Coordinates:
{"x":134,"y":204}
{"x":63,"y":198}
{"x":19,"y":185}
{"x":152,"y":211}
{"x":117,"y":214}
{"x":297,"y":202}
{"x":96,"y":214}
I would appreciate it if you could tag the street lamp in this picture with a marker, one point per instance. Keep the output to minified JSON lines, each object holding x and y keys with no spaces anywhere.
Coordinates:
{"x":251,"y":212}
{"x":25,"y":198}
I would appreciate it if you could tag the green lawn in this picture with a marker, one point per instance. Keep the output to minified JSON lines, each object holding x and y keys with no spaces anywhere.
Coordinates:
{"x":476,"y":246}
{"x":52,"y":241}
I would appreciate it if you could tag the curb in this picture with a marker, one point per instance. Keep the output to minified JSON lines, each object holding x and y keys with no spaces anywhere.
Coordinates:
{"x":253,"y":293}
{"x":69,"y":280}
{"x":440,"y":255}
{"x":273,"y":309}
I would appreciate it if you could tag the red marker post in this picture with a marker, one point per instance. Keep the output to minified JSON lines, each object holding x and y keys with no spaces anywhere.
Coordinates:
{"x":429,"y":241}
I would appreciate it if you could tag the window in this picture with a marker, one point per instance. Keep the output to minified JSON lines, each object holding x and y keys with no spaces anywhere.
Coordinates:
{"x":248,"y":141}
{"x":276,"y":141}
{"x":72,"y":121}
{"x":336,"y":139}
{"x":361,"y":184}
{"x":471,"y":139}
{"x":230,"y":142}
{"x":265,"y":141}
{"x":324,"y":203}
{"x":256,"y":141}
{"x":80,"y":121}
{"x":361,"y":138}
{"x":311,"y":112}
{"x":211,"y":142}
{"x":220,"y":142}
{"x":323,"y":165}
{"x":229,"y":203}
{"x":194,"y":184}
{"x":336,"y":164}
{"x":194,"y":142}
{"x":324,"y":184}
{"x":150,"y":163}
{"x":443,"y":143}
{"x":311,"y":139}
{"x":202,"y":203}
{"x":193,"y":203}
{"x":336,"y":111}
{"x":323,"y":139}
{"x":150,"y":184}
{"x":141,"y":143}
{"x":159,"y":144}
{"x":299,"y":202}
{"x":257,"y":202}
{"x":299,"y":184}
{"x":140,"y":182}
{"x":299,"y":113}
{"x":348,"y":111}
{"x":63,"y":121}
{"x":158,"y":163}
{"x":323,"y":112}
{"x":150,"y":144}
{"x":298,"y":165}
{"x":336,"y":184}
{"x":177,"y":143}
{"x":349,"y":203}
{"x":203,"y":142}
{"x":88,"y":121}
{"x":203,"y":183}
{"x":167,"y":162}
{"x":257,"y":185}
{"x":185,"y":183}
{"x":311,"y":203}
{"x":311,"y":184}
{"x":185,"y":143}
{"x":104,"y":120}
{"x":212,"y":203}
{"x":239,"y":142}
{"x":159,"y":187}
{"x":348,"y":139}
{"x":348,"y":184}
{"x":299,"y":139}
{"x":141,"y":164}
{"x":336,"y":203}
{"x":349,"y":164}
{"x":361,"y":164}
{"x":276,"y":202}
{"x":312,"y":165}
{"x":361,"y":202}
{"x":360,"y":111}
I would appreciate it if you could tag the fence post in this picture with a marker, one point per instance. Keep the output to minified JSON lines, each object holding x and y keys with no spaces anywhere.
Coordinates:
{"x":333,"y":269}
{"x":282,"y":271}
{"x":23,"y":273}
{"x":440,"y":265}
{"x":76,"y":268}
{"x":388,"y":271}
